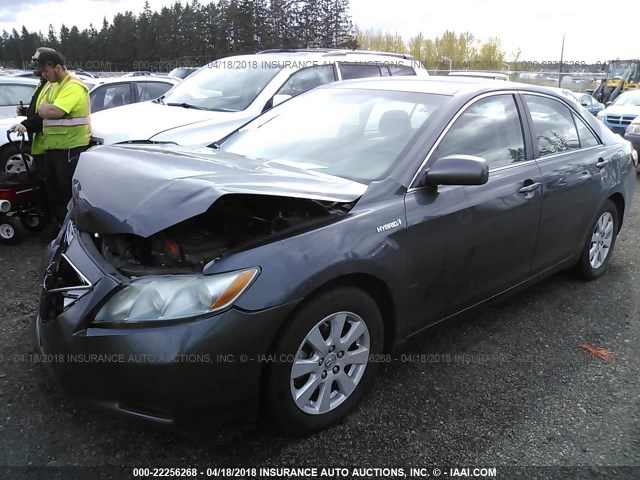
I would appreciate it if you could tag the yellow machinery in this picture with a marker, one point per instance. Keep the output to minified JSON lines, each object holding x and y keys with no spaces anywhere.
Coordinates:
{"x":621,"y":75}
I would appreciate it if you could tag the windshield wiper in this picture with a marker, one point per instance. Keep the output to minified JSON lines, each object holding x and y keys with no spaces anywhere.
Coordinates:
{"x":187,"y":105}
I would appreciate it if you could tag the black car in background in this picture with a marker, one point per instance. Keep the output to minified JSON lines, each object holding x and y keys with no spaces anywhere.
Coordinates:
{"x":270,"y":273}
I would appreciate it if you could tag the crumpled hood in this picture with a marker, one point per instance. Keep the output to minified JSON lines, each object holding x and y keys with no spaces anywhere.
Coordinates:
{"x":145,"y":189}
{"x":143,"y":121}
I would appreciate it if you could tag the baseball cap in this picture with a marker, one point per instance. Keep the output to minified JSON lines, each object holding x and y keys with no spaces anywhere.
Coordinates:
{"x":49,"y":58}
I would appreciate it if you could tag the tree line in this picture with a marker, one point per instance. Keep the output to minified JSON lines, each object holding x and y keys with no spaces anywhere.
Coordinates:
{"x":194,"y":33}
{"x":189,"y":34}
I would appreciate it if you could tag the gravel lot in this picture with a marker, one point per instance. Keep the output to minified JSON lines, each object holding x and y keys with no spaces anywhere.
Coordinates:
{"x":515,"y":391}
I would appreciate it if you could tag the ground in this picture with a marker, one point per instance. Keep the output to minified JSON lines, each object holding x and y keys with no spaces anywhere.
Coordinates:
{"x":507,"y":387}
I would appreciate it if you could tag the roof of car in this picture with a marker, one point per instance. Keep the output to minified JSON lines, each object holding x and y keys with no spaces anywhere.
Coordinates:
{"x":470,"y":73}
{"x":140,"y":78}
{"x":441,"y":85}
{"x":326,"y":55}
{"x":19,"y":80}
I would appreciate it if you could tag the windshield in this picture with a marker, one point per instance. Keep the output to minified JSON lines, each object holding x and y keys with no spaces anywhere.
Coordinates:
{"x":350,"y":133}
{"x":628,"y":98}
{"x":223,"y":85}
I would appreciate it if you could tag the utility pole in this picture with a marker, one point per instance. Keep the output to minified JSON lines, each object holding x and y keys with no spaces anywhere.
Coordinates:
{"x":561,"y":58}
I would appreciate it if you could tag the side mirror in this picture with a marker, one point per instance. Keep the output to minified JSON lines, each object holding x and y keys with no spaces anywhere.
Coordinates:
{"x":607,"y":104}
{"x":457,"y":170}
{"x":278,"y":99}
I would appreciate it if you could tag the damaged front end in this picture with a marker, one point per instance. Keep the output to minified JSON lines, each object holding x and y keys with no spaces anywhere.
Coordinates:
{"x":159,"y":210}
{"x":233,"y":223}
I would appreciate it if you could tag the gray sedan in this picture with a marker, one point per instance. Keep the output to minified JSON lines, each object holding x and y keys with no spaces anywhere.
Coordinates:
{"x":276,"y":270}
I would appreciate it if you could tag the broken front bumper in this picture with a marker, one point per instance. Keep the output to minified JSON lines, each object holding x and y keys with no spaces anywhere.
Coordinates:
{"x":174,"y":373}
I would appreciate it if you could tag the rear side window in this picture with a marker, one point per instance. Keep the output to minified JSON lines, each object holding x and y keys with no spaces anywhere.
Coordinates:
{"x":490,"y":129}
{"x":553,"y":126}
{"x":587,"y":138}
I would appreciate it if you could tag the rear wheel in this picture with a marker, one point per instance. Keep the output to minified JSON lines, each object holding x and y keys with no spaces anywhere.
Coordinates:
{"x":321,"y":368}
{"x":9,"y":232}
{"x":599,"y":245}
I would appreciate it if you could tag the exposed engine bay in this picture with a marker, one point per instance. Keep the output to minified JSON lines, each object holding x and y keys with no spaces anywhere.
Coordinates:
{"x":234,"y":222}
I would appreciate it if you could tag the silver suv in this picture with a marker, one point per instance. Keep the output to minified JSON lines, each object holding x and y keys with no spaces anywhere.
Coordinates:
{"x":225,"y":94}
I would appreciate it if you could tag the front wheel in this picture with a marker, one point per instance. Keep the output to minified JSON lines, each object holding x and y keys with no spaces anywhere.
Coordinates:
{"x":599,"y":245}
{"x":321,"y":369}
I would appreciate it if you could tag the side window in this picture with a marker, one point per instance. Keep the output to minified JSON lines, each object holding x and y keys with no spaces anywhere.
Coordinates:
{"x":151,"y":90}
{"x":109,"y":96}
{"x":490,"y":128}
{"x":587,"y":138}
{"x":398,"y":70}
{"x":13,"y":94}
{"x":306,"y":79}
{"x":359,"y":70}
{"x":553,"y":125}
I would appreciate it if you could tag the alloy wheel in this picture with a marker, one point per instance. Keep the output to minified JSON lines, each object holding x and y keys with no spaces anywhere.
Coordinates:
{"x":601,"y":240}
{"x":330,"y":363}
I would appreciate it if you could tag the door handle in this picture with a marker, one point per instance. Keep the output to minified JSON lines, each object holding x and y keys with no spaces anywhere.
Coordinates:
{"x":602,"y":163}
{"x":530,"y":188}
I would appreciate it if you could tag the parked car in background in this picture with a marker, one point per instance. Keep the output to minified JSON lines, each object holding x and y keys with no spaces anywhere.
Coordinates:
{"x":588,"y":102}
{"x":182,"y":72}
{"x":229,"y":92}
{"x":81,"y":74}
{"x":138,"y":73}
{"x":105,"y":93}
{"x":632,"y":133}
{"x":275,"y":272}
{"x":619,"y":114}
{"x":14,"y":90}
{"x":117,"y":91}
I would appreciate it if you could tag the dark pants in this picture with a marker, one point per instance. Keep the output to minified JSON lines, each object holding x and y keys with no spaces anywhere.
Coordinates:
{"x":59,"y":168}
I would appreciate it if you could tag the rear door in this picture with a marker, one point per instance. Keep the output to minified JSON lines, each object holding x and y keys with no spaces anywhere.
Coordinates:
{"x":572,"y":161}
{"x":467,"y":243}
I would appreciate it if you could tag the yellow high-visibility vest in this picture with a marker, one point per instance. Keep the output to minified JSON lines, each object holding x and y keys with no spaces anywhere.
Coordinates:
{"x":73,"y":129}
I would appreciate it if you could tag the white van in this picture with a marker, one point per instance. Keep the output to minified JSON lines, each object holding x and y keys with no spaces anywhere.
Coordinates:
{"x":222,"y":96}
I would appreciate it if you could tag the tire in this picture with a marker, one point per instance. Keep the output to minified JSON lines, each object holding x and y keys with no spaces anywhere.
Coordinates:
{"x":34,"y":222}
{"x":347,"y":381}
{"x":11,"y":159}
{"x":9,"y":231}
{"x":600,"y":242}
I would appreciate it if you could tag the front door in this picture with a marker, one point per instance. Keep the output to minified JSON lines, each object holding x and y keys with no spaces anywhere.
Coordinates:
{"x":467,"y":243}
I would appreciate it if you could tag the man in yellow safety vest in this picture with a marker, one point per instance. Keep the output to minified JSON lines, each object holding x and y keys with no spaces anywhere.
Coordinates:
{"x":66,"y":128}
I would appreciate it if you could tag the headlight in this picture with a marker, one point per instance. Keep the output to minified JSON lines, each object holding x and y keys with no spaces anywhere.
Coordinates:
{"x":156,"y":298}
{"x":634,"y":129}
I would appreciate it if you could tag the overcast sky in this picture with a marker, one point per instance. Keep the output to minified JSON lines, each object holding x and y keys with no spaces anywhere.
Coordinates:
{"x":534,"y":27}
